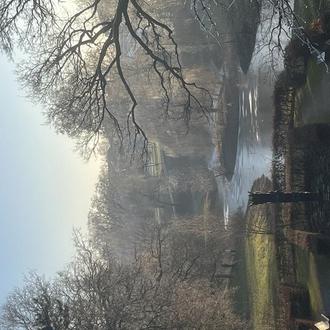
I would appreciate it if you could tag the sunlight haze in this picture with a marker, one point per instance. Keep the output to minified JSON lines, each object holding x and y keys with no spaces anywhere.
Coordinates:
{"x":46,"y":188}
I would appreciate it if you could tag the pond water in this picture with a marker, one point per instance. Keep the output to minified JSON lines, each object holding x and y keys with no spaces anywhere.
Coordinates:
{"x":254,"y":152}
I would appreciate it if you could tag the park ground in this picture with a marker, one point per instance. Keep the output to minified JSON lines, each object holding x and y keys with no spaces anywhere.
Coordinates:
{"x":260,"y":249}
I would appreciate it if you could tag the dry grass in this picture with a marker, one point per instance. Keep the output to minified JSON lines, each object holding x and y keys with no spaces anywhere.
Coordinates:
{"x":261,"y":272}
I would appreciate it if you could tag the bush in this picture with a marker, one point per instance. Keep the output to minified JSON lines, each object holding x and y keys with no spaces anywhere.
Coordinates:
{"x":296,"y":56}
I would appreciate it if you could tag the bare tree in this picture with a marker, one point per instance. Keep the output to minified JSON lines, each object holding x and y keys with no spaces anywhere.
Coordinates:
{"x":97,"y":293}
{"x":39,"y":305}
{"x":76,"y":61}
{"x":200,"y":307}
{"x":79,"y":57}
{"x":23,"y":21}
{"x":258,"y":197}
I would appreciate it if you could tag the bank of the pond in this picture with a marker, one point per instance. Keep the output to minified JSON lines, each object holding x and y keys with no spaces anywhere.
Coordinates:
{"x":287,"y":268}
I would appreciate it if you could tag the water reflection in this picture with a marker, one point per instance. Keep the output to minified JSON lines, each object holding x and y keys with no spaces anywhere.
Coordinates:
{"x":254,"y":151}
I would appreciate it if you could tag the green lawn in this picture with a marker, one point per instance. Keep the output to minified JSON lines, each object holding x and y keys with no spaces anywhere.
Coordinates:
{"x":261,"y":272}
{"x":307,"y":277}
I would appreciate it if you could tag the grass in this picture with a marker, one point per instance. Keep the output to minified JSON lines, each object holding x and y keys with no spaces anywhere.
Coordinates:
{"x":260,"y":249}
{"x":261,"y":271}
{"x":307,"y":277}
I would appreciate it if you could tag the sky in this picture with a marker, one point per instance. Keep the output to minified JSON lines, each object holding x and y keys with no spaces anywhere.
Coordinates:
{"x":45,"y":188}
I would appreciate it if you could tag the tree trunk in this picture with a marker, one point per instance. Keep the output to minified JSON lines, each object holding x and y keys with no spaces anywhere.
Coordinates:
{"x":308,"y":323}
{"x":256,"y":198}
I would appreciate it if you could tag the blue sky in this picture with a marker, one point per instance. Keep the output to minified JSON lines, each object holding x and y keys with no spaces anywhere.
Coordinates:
{"x":45,"y":188}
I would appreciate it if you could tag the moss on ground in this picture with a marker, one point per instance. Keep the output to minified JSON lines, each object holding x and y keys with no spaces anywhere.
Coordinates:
{"x":261,"y":270}
{"x":261,"y":262}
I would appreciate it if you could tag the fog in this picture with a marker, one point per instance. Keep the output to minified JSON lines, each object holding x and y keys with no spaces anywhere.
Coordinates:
{"x":210,"y":207}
